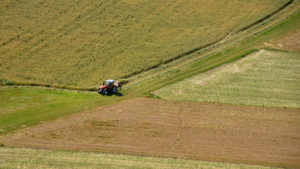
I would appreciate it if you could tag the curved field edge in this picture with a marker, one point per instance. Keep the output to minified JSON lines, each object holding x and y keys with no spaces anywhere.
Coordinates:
{"x":70,"y":78}
{"x":33,"y":158}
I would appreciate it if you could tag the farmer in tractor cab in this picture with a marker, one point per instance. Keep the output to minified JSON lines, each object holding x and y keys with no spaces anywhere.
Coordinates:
{"x":119,"y":85}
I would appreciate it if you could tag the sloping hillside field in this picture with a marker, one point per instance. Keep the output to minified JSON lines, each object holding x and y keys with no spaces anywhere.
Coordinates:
{"x":79,"y":43}
{"x":214,"y":132}
{"x":264,"y":78}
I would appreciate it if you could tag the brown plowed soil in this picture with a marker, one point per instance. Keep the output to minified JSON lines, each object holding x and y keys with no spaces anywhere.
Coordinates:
{"x":202,"y":131}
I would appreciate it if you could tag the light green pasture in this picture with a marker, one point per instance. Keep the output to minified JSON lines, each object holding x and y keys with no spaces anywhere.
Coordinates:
{"x":264,"y":78}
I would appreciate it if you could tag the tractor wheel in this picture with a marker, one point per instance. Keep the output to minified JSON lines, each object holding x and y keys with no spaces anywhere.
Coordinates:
{"x":99,"y":90}
{"x":114,"y":89}
{"x":105,"y":92}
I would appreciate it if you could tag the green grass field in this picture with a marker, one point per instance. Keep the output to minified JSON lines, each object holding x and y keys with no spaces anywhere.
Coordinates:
{"x":80,"y":43}
{"x":30,"y":158}
{"x":20,"y":107}
{"x":264,"y":78}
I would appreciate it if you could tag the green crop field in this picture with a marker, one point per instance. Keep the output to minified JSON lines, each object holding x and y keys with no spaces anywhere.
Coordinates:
{"x":20,"y":107}
{"x":30,"y":158}
{"x":264,"y":78}
{"x":79,"y":43}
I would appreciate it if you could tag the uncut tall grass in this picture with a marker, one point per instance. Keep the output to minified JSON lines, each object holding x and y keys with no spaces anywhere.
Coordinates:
{"x":80,"y":43}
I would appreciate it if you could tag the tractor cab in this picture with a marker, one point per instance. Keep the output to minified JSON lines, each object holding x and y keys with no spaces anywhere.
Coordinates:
{"x":109,"y":83}
{"x":109,"y":86}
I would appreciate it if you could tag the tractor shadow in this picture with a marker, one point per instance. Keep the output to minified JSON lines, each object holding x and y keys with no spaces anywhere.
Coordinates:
{"x":117,"y":94}
{"x":113,"y":94}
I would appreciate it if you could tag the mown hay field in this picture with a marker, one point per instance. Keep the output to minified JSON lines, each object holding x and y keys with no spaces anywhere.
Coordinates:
{"x":264,"y":78}
{"x":30,"y":158}
{"x":79,"y":43}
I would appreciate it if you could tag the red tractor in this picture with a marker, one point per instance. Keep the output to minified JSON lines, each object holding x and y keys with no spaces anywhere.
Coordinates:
{"x":109,"y":87}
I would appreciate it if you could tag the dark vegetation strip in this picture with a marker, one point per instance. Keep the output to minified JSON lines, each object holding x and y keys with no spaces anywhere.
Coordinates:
{"x":4,"y":82}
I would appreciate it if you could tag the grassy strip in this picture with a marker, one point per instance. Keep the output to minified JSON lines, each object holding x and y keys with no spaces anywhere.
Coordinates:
{"x":29,"y":158}
{"x":21,"y":107}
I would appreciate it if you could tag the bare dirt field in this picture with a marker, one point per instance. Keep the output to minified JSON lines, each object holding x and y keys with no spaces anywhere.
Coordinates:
{"x":201,"y":131}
